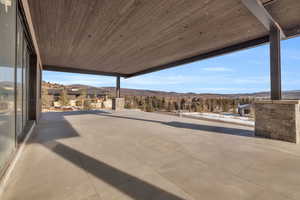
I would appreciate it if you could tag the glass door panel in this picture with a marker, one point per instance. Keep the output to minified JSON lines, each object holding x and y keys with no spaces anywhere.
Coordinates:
{"x":7,"y":80}
{"x":19,"y":77}
{"x":24,"y":69}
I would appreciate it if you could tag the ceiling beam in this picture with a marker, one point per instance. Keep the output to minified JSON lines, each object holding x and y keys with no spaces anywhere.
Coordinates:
{"x":292,"y":32}
{"x":269,"y":2}
{"x":80,"y":71}
{"x":258,"y":10}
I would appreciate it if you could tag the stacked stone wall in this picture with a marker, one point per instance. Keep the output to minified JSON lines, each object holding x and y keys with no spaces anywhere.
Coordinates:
{"x":278,"y":120}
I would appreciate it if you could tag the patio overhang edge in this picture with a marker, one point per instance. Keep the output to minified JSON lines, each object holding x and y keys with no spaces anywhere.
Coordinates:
{"x":81,"y":71}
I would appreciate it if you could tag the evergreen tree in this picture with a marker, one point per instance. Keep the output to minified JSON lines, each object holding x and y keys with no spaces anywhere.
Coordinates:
{"x":82,"y":97}
{"x":176,"y":106}
{"x":194,"y":107}
{"x":46,"y":99}
{"x":171,"y":106}
{"x":163,"y":106}
{"x":234,"y":106}
{"x":149,"y":107}
{"x":182,"y":104}
{"x":87,"y":105}
{"x":64,"y":99}
{"x":225,"y":105}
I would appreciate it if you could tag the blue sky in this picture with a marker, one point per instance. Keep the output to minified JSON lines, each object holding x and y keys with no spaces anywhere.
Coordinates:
{"x":239,"y":72}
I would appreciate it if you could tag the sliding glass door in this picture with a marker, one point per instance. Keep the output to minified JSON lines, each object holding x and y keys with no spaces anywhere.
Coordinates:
{"x":14,"y":80}
{"x":22,"y":81}
{"x":19,"y":79}
{"x":7,"y":80}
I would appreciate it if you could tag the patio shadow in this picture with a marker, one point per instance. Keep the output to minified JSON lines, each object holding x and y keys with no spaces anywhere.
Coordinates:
{"x":132,"y":186}
{"x":55,"y":127}
{"x":200,"y":127}
{"x":215,"y":129}
{"x":128,"y":184}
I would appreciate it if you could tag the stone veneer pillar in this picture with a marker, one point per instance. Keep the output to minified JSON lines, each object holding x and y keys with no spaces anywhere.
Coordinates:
{"x":118,"y":103}
{"x":278,"y":119}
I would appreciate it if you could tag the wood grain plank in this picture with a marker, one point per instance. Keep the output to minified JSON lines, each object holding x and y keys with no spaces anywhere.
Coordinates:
{"x":126,"y":37}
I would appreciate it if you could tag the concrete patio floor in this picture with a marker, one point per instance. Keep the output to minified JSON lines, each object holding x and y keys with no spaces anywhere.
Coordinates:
{"x":137,"y":155}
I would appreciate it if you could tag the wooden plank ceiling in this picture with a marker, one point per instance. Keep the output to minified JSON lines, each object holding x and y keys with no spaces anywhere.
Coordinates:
{"x":129,"y":37}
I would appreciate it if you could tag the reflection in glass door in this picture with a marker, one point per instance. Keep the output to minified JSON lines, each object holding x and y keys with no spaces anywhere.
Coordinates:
{"x":19,"y":79}
{"x":22,"y":81}
{"x":14,"y":81}
{"x":27,"y":84}
{"x":7,"y":80}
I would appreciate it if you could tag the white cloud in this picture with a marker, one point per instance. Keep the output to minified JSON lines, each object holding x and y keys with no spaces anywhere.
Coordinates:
{"x":174,"y":80}
{"x":252,"y":80}
{"x":228,"y":90}
{"x":213,"y":83}
{"x":85,"y":80}
{"x":217,"y":69}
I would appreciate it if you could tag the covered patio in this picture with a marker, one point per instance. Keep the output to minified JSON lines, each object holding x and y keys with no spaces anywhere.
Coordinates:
{"x":130,"y":38}
{"x":137,"y":155}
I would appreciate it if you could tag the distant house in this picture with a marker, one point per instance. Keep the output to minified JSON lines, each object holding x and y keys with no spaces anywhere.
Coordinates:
{"x":107,"y":103}
{"x":74,"y":93}
{"x":72,"y":102}
{"x":97,"y":97}
{"x":56,"y":104}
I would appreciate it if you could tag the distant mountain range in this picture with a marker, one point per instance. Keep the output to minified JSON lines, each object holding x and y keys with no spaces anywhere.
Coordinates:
{"x":292,"y":94}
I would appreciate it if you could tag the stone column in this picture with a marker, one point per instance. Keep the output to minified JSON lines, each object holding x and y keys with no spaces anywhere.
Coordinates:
{"x":278,"y":119}
{"x":118,"y":102}
{"x":118,"y":87}
{"x":275,"y":63}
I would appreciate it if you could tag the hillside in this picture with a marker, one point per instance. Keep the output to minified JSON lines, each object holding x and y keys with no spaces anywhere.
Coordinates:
{"x":293,"y":94}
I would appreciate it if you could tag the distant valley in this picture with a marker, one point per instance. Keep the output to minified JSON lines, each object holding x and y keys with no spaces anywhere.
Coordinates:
{"x":292,"y":94}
